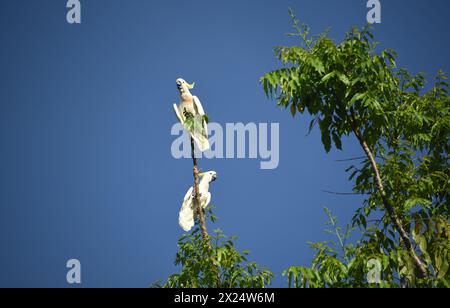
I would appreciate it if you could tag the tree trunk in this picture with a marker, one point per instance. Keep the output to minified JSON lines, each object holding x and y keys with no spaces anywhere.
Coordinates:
{"x":387,"y":204}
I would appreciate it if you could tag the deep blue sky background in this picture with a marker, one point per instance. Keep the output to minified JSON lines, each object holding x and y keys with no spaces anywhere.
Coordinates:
{"x":85,"y":115}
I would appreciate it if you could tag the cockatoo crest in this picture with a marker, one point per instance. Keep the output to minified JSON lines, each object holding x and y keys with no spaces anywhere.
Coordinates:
{"x":187,"y":212}
{"x":183,"y":86}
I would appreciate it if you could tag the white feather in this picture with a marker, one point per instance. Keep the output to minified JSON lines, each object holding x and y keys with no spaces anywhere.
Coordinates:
{"x":179,"y":115}
{"x":186,"y":218}
{"x":187,"y":213}
{"x":201,"y":137}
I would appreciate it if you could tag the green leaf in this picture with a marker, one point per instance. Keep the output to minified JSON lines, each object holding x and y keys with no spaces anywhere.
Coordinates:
{"x":328,"y":77}
{"x":337,"y":141}
{"x":344,"y":79}
{"x":363,"y":221}
{"x":293,"y":110}
{"x":355,"y":98}
{"x":326,"y":141}
{"x":311,"y":127}
{"x":318,"y":65}
{"x":443,"y":269}
{"x":422,"y":242}
{"x":412,"y":202}
{"x":206,"y":118}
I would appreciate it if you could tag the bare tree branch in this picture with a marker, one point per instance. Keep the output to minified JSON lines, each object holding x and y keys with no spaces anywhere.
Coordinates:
{"x":350,"y":159}
{"x":342,"y":194}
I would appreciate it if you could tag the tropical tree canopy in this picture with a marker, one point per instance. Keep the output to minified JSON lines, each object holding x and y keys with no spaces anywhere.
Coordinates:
{"x":403,"y":127}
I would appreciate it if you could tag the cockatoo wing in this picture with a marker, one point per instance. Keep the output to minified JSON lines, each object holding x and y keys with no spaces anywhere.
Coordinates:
{"x":201,"y":141}
{"x":189,"y":195}
{"x":198,"y":106}
{"x":206,"y":200}
{"x":200,"y":111}
{"x":178,"y":113}
{"x":186,"y":217}
{"x":201,"y":138}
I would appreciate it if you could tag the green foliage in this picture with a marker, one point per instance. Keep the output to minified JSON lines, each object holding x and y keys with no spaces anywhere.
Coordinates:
{"x":219,"y":266}
{"x":350,"y":88}
{"x":195,"y":123}
{"x":331,"y":263}
{"x":341,"y":265}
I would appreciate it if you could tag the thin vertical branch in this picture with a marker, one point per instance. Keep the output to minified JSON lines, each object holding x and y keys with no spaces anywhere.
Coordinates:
{"x":201,"y":215}
{"x":198,"y":208}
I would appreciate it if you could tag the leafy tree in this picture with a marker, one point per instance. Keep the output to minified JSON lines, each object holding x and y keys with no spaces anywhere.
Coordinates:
{"x":215,"y":265}
{"x":403,"y":129}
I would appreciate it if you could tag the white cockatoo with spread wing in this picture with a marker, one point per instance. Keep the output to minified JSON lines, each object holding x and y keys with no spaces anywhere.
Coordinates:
{"x":187,"y":212}
{"x":190,"y":111}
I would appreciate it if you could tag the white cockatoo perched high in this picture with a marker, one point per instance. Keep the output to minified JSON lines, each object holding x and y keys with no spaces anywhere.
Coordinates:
{"x":187,"y":212}
{"x":190,"y":113}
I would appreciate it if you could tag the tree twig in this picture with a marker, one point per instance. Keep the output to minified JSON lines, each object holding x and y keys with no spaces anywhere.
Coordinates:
{"x":350,"y":159}
{"x":342,"y":194}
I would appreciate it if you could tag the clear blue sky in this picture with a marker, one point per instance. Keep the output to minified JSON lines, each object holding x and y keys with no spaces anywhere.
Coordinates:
{"x":85,"y":115}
